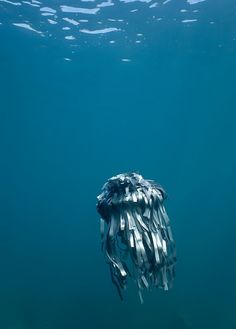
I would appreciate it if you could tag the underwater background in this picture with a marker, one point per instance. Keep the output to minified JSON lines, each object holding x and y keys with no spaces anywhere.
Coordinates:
{"x":90,"y":89}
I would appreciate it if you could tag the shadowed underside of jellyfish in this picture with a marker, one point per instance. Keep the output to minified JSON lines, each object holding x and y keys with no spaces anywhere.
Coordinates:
{"x":136,"y":236}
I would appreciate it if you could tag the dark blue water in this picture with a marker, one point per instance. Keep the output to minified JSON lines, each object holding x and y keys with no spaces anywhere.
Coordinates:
{"x":72,"y":114}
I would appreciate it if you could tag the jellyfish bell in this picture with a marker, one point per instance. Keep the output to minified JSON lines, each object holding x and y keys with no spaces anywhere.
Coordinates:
{"x":137,"y":241}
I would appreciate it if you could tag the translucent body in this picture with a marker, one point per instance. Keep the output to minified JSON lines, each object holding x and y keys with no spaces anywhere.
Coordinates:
{"x":136,"y":236}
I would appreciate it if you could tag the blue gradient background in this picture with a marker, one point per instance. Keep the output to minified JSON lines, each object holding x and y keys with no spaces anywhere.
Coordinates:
{"x":65,"y":127}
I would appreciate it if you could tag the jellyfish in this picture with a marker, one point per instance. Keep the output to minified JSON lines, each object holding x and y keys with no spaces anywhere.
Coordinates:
{"x":136,"y":236}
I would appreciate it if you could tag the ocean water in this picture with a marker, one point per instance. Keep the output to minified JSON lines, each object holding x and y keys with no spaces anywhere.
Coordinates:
{"x":90,"y":89}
